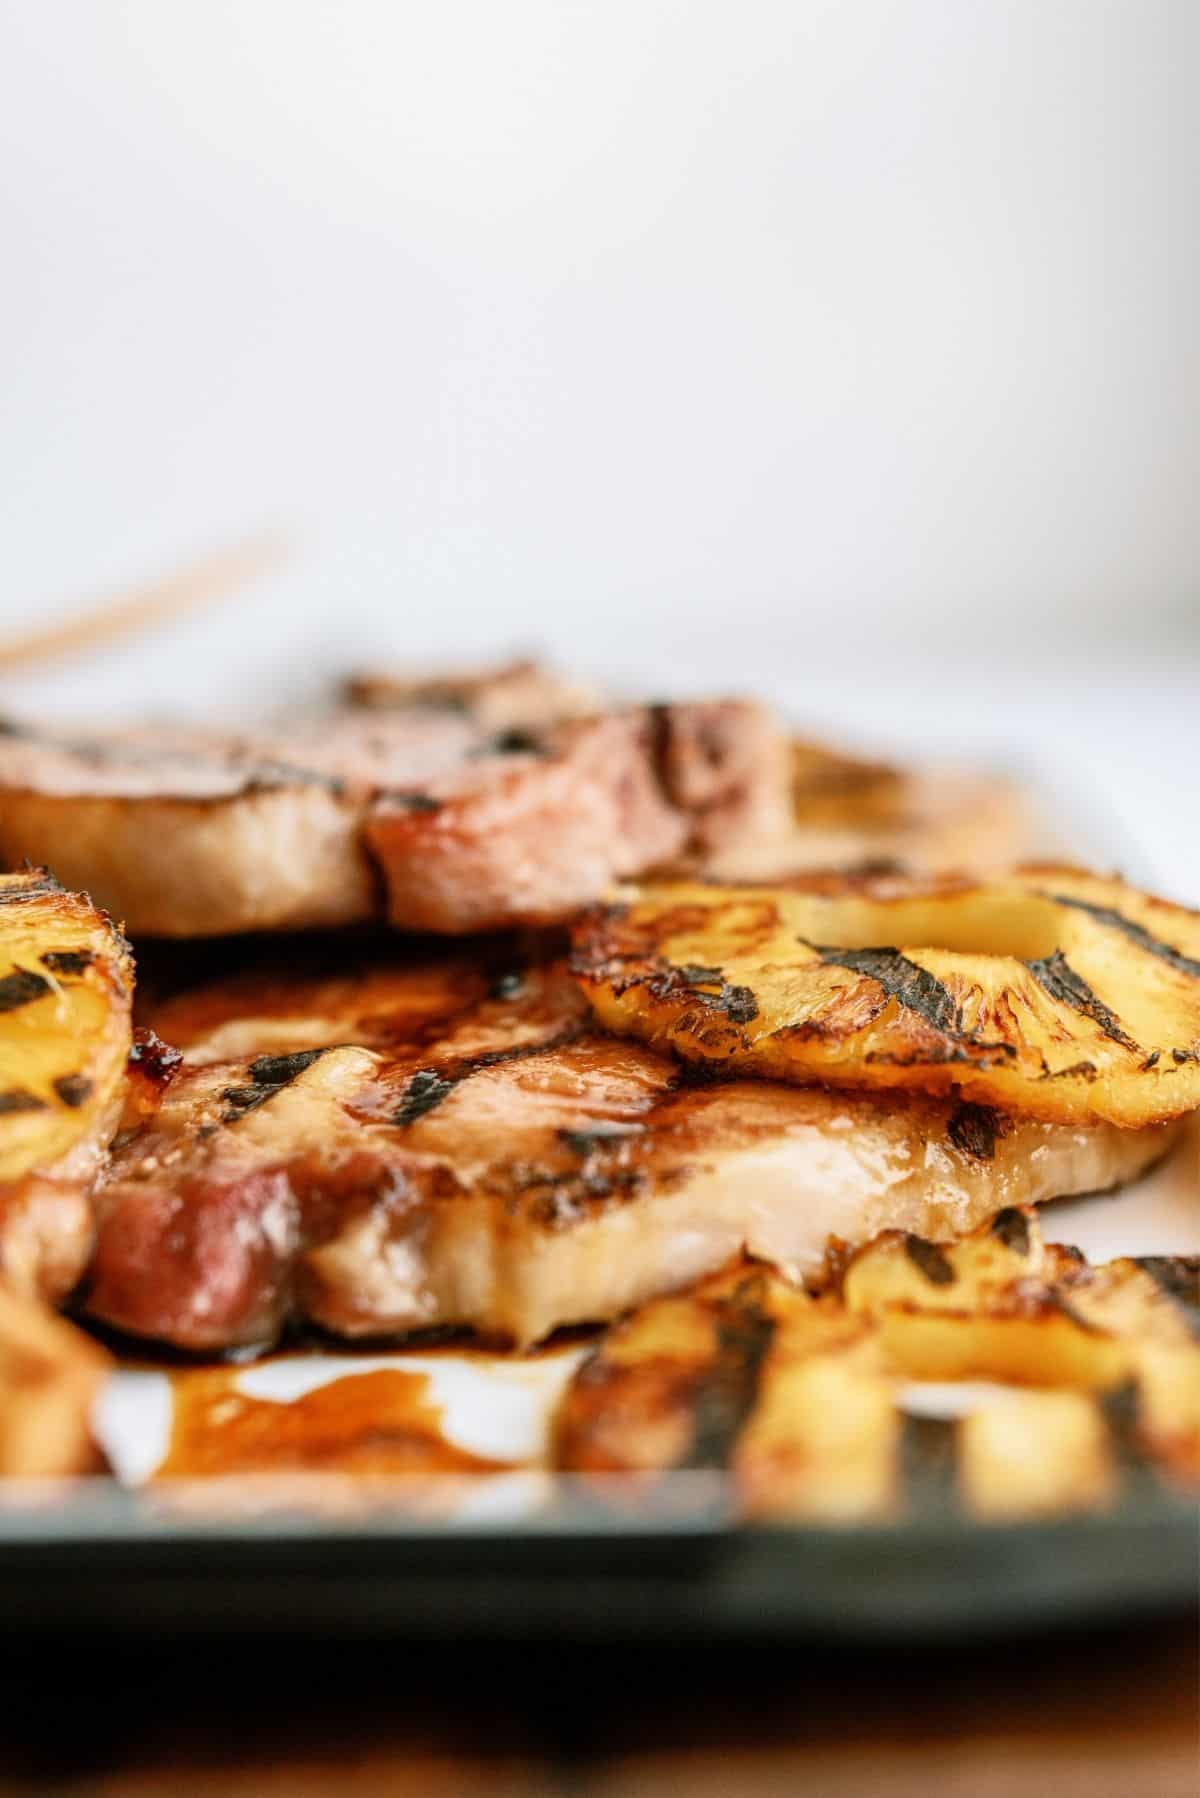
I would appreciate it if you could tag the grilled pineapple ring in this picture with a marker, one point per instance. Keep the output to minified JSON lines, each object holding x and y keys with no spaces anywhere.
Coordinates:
{"x":1050,"y":992}
{"x":66,"y":982}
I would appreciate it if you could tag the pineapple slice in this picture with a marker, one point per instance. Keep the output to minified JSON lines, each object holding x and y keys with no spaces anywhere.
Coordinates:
{"x":749,"y":1373}
{"x":798,"y":1397}
{"x":66,"y":993}
{"x":1050,"y":993}
{"x":1002,"y":1304}
{"x":50,"y":1376}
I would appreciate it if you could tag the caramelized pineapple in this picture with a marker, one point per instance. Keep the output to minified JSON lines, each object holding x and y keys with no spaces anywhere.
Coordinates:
{"x":66,"y":983}
{"x":1050,"y":993}
{"x":1004,"y":1305}
{"x":801,"y":1397}
{"x":744,"y":1372}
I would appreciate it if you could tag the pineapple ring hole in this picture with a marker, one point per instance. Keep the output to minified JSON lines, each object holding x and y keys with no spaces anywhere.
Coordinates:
{"x":982,"y":923}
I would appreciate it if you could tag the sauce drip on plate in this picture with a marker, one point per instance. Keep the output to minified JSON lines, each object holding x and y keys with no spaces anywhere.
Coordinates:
{"x":383,"y":1422}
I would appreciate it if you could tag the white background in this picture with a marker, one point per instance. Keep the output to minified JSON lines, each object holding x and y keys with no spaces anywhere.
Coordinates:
{"x":843,"y":346}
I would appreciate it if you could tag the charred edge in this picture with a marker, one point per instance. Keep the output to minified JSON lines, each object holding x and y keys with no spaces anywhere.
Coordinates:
{"x":974,"y":1129}
{"x":74,"y":1089}
{"x":911,"y":986}
{"x":68,"y":961}
{"x":154,"y":1058}
{"x":737,"y":1003}
{"x":268,"y":1075}
{"x":727,"y":1392}
{"x":1012,"y":1228}
{"x":1178,"y":1279}
{"x":930,"y":1260}
{"x":1151,"y":1060}
{"x":18,"y":1100}
{"x":426,"y":1090}
{"x":1137,"y":933}
{"x":22,"y":987}
{"x":928,"y":1464}
{"x":1182,"y":1056}
{"x":1055,"y":975}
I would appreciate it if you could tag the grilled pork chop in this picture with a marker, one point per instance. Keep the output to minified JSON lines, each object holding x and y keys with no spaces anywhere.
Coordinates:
{"x":424,"y":812}
{"x":451,"y":1142}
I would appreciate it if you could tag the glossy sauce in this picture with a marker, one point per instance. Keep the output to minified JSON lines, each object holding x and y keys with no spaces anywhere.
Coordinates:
{"x":382,"y":1422}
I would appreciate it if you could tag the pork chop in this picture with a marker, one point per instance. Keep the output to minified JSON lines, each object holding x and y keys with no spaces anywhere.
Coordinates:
{"x":425,"y":813}
{"x":451,"y":1142}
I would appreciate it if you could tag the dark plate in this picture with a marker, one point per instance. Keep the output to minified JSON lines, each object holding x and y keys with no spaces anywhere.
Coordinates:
{"x":109,"y":1561}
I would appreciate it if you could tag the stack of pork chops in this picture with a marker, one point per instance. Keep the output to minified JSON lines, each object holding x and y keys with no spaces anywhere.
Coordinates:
{"x":376,"y":1096}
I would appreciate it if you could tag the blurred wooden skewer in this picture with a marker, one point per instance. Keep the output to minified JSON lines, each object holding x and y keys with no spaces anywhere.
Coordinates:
{"x":202,"y":582}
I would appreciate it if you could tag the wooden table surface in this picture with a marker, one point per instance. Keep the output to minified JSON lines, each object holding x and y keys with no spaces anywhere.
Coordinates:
{"x":1107,"y":1714}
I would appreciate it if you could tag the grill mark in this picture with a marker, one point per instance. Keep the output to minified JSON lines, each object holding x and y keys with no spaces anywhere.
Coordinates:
{"x":425,"y":1092}
{"x":1121,"y":1412}
{"x":1055,"y":975}
{"x":929,"y":1259}
{"x":74,"y":1089}
{"x":974,"y":1129}
{"x":911,"y":986}
{"x":1012,"y":1228}
{"x":1178,"y":1279}
{"x":278,"y":1070}
{"x":22,"y":987}
{"x":727,"y":1392}
{"x":928,"y":1464}
{"x":495,"y":1058}
{"x":268,"y":1075}
{"x":18,"y":1100}
{"x":1137,"y":933}
{"x":68,"y":961}
{"x":429,"y":1086}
